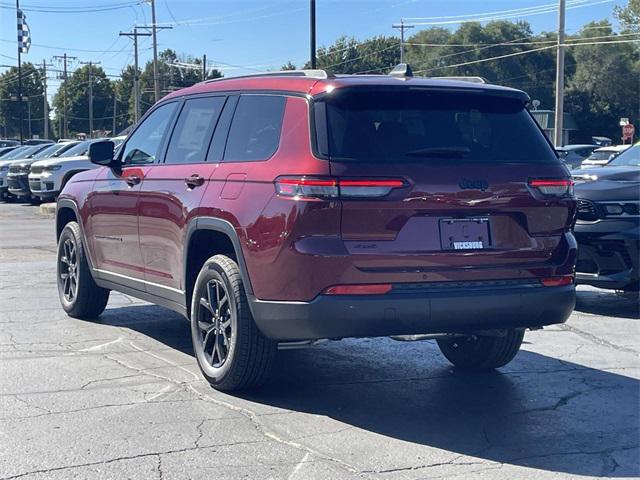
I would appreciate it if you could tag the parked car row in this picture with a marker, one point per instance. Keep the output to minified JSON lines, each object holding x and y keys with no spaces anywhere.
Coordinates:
{"x":39,"y":172}
{"x":588,"y":156}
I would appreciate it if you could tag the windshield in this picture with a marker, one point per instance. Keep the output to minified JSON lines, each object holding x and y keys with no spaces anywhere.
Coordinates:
{"x":51,"y":151}
{"x":427,"y":126}
{"x":601,"y":155}
{"x":628,"y":157}
{"x":21,"y":152}
{"x":78,"y":150}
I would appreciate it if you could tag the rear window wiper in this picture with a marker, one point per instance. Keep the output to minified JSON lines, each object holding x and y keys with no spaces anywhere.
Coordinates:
{"x":442,"y":152}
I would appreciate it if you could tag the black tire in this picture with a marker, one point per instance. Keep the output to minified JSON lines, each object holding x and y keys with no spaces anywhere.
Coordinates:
{"x":238,"y":357}
{"x":79,"y":295}
{"x":482,"y":352}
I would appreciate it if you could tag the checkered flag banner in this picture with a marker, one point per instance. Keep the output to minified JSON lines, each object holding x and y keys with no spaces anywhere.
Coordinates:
{"x":24,"y":34}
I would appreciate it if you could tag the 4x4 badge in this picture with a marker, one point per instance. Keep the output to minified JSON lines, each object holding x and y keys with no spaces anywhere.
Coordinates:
{"x":466,"y":184}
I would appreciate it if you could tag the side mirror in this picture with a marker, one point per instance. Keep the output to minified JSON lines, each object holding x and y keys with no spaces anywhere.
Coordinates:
{"x":101,"y":153}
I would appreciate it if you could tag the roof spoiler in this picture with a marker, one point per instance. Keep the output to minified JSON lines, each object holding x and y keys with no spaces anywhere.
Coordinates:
{"x":465,"y":79}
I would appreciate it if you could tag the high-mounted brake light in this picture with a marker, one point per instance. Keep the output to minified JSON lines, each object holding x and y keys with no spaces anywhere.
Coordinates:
{"x":318,"y":187}
{"x":367,"y":289}
{"x":557,"y":187}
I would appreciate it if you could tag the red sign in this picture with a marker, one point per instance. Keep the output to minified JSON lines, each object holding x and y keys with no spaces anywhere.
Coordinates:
{"x":628,"y":131}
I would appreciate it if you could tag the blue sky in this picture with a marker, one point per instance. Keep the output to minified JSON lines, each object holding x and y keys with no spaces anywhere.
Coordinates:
{"x":240,"y":36}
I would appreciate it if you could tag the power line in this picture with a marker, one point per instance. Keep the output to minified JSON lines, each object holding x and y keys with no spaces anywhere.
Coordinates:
{"x":514,"y":15}
{"x":70,"y":10}
{"x":523,"y":53}
{"x":499,"y":12}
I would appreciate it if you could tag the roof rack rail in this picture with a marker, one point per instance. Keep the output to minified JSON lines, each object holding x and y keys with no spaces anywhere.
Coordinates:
{"x":464,"y":79}
{"x":320,"y":74}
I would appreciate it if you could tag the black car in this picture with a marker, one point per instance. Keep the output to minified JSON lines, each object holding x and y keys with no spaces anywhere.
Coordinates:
{"x":608,"y":223}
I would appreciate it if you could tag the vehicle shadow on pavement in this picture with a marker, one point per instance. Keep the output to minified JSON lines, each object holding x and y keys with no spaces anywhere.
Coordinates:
{"x":606,"y":302}
{"x":540,"y":412}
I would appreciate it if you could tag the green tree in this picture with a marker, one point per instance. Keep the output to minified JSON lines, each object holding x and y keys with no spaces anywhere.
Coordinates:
{"x":32,"y":91}
{"x":288,"y":66}
{"x":347,"y":55}
{"x":123,"y":88}
{"x":172,"y":77}
{"x":604,"y":86}
{"x":77,"y":85}
{"x":629,"y":15}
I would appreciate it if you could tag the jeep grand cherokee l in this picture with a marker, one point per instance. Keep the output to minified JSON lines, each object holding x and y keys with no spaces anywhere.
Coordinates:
{"x":297,"y":206}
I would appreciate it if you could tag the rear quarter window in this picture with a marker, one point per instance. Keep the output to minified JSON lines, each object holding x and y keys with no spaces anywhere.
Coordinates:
{"x":255,"y":129}
{"x":429,"y":126}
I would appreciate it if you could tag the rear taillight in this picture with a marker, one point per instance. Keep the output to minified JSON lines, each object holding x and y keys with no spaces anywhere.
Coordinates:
{"x":327,"y":187}
{"x":554,"y":187}
{"x":366,"y":289}
{"x":303,"y":187}
{"x":557,"y":281}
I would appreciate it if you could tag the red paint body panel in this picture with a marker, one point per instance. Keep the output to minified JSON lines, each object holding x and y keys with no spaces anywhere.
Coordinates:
{"x":294,"y":249}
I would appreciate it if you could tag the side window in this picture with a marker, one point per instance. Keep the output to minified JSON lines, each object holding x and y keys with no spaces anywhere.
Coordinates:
{"x":144,"y":144}
{"x":192,"y":133}
{"x":255,"y":129}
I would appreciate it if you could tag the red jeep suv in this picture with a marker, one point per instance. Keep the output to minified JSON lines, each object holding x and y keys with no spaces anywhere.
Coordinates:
{"x":295,"y":206}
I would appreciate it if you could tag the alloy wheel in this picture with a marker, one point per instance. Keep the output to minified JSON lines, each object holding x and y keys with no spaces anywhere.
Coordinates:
{"x":69,"y":270}
{"x":214,"y":323}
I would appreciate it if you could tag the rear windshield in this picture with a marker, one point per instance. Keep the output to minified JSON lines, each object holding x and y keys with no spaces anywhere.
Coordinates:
{"x":602,"y":155}
{"x":432,"y":126}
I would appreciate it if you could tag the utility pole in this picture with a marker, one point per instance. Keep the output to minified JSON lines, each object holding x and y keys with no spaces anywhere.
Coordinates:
{"x":45,"y":105}
{"x":558,"y":137}
{"x":91,"y":64}
{"x":19,"y":77}
{"x":154,"y":32}
{"x":402,"y":27}
{"x":156,"y":80}
{"x":204,"y":67}
{"x":65,"y":58}
{"x":136,"y":77}
{"x":312,"y":32}
{"x":115,"y":108}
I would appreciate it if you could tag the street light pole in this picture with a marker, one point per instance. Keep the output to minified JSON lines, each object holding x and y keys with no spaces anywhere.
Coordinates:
{"x":20,"y":78}
{"x":312,"y":32}
{"x":559,"y":128}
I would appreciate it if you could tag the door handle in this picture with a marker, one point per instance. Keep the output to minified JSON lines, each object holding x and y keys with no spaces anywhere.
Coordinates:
{"x":132,"y":180}
{"x":194,"y":181}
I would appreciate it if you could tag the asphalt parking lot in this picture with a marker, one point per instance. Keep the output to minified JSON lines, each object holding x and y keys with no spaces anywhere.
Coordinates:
{"x":122,"y":397}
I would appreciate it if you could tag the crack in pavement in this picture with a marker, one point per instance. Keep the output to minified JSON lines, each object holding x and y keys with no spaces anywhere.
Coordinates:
{"x":128,"y":457}
{"x":598,"y":341}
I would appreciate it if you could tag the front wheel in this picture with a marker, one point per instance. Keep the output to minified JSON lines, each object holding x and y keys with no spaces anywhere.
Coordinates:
{"x":476,"y":352}
{"x":79,"y":295}
{"x":230,"y":350}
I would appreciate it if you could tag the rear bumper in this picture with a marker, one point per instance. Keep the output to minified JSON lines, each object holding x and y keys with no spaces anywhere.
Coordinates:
{"x":457,"y":310}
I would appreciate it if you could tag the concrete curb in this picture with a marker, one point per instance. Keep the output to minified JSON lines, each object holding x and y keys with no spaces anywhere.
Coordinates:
{"x":48,"y":209}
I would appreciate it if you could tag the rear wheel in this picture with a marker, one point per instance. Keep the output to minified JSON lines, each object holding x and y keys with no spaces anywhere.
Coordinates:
{"x":231,"y":352}
{"x":476,"y":352}
{"x":79,"y":295}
